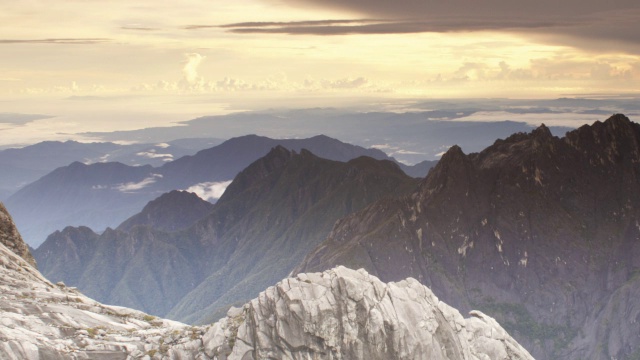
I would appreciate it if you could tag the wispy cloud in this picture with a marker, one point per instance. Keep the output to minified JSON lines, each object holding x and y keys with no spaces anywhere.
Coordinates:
{"x":58,"y":41}
{"x":134,"y":186}
{"x":139,"y":28}
{"x":152,"y":154}
{"x":209,"y":191}
{"x":395,"y":150}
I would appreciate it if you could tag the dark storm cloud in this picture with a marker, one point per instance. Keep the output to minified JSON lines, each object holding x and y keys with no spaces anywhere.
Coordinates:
{"x":476,"y":8}
{"x":596,"y":24}
{"x":73,"y":41}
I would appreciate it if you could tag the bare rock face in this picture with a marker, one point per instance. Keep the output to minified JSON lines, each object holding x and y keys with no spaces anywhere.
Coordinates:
{"x":10,"y":237}
{"x":540,"y":232}
{"x":42,"y":321}
{"x":347,"y":314}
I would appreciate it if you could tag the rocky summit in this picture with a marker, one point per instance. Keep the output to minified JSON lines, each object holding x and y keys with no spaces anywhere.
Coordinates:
{"x":337,"y":314}
{"x":348,"y":314}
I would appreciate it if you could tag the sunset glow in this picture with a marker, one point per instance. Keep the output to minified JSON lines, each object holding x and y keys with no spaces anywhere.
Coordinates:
{"x":153,"y":58}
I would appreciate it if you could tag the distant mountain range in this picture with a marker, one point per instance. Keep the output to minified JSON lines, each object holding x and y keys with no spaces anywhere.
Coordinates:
{"x":25,"y":165}
{"x":102,"y":195}
{"x":409,"y":131}
{"x":273,"y":213}
{"x":540,"y":232}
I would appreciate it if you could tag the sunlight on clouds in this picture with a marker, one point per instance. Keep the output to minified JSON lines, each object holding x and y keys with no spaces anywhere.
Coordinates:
{"x":209,"y":191}
{"x":152,"y":154}
{"x":190,"y":69}
{"x":135,"y":64}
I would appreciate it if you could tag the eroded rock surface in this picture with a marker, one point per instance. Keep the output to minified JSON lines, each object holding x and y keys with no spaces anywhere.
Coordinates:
{"x":348,"y":314}
{"x":41,"y":320}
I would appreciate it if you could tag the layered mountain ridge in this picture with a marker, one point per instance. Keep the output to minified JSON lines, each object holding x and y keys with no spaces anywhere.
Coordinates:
{"x":40,"y":320}
{"x":534,"y":230}
{"x":102,"y":195}
{"x":27,"y":164}
{"x":284,"y":202}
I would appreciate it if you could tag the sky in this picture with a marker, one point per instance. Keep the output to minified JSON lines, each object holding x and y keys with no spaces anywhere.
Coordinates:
{"x":86,"y":65}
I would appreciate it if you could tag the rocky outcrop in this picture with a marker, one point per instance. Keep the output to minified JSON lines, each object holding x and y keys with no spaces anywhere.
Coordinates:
{"x":348,"y":314}
{"x":40,"y":320}
{"x":10,"y":237}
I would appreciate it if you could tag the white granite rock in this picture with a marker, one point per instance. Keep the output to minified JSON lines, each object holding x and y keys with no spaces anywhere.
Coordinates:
{"x":348,"y":314}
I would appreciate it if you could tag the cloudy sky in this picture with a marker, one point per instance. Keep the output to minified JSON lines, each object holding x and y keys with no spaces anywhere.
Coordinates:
{"x":124,"y":64}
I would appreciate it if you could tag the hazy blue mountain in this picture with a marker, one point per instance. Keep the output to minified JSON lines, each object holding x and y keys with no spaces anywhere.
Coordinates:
{"x":538,"y":231}
{"x":25,"y":165}
{"x":274,"y":213}
{"x":223,"y":162}
{"x":172,"y":211}
{"x":283,"y":203}
{"x":416,"y":132}
{"x":98,"y":195}
{"x":102,"y":195}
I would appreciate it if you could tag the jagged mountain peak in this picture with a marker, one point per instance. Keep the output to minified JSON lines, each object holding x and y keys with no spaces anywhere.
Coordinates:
{"x":348,"y":314}
{"x":532,"y":223}
{"x":276,"y":158}
{"x":452,"y":170}
{"x":453,"y":154}
{"x":10,"y":237}
{"x":616,"y":139}
{"x":542,"y":132}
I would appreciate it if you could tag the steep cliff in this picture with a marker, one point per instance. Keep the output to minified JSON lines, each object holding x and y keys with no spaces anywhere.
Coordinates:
{"x":10,"y":237}
{"x":538,"y":231}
